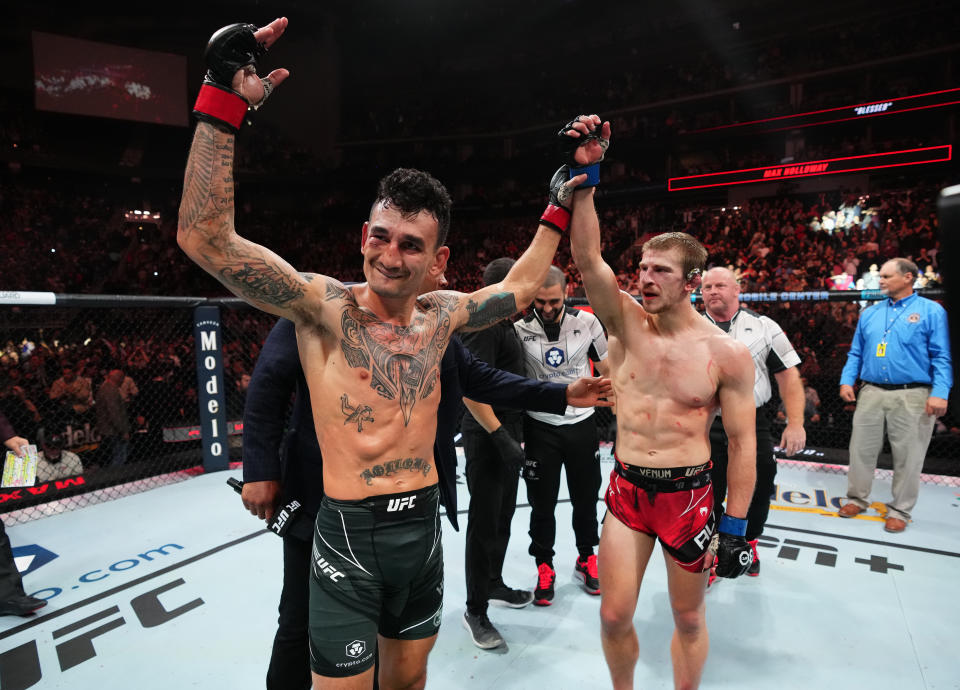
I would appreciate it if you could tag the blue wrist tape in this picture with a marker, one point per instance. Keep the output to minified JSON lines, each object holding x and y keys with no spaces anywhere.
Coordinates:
{"x":592,"y":172}
{"x":732,"y":525}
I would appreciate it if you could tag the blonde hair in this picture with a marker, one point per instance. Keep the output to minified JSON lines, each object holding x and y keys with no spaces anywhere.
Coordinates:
{"x":693,"y":255}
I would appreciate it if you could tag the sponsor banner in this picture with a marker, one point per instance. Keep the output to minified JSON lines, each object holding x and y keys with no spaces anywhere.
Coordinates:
{"x":213,"y":415}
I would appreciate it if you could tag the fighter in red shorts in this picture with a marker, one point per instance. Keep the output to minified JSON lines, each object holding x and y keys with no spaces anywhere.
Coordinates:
{"x":672,"y":503}
{"x":671,"y":370}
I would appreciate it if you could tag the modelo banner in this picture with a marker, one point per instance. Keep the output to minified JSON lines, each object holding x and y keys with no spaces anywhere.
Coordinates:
{"x":213,"y":415}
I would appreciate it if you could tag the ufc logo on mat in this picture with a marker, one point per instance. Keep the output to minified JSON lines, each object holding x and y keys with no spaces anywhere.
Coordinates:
{"x":396,"y":504}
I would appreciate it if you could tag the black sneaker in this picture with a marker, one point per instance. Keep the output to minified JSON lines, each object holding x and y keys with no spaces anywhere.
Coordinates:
{"x":481,"y":630}
{"x":754,"y":569}
{"x":587,"y":570}
{"x":546,"y":576}
{"x":514,"y":598}
{"x":21,"y":605}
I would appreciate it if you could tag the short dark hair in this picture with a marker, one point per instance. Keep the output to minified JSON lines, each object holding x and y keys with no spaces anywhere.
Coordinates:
{"x":555,"y":277}
{"x":411,"y":191}
{"x":497,"y":270}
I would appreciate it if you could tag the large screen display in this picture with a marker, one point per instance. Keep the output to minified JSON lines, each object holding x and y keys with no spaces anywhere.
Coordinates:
{"x":72,"y":75}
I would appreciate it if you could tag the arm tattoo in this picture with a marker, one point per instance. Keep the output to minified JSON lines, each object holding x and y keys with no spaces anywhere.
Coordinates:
{"x":337,"y":290}
{"x":208,"y":197}
{"x":259,"y":280}
{"x":493,"y":309}
{"x":393,"y":466}
{"x":404,"y":361}
{"x":358,"y":413}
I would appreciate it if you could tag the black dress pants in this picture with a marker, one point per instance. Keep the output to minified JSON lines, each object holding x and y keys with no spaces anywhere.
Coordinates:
{"x":766,"y":474}
{"x":574,"y":447}
{"x":493,"y":500}
{"x":11,"y":584}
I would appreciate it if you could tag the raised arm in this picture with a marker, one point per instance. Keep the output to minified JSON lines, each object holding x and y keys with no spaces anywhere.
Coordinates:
{"x":206,"y":229}
{"x":584,"y":150}
{"x":493,"y":303}
{"x":599,"y":280}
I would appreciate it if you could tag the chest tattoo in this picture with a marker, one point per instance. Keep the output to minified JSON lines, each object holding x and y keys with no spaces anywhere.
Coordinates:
{"x":403,"y":361}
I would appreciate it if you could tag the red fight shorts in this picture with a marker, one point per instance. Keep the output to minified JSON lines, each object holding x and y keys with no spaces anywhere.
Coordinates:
{"x":673,"y":504}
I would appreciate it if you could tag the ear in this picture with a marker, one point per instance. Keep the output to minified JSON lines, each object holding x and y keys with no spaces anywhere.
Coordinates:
{"x":440,"y":259}
{"x":694,"y":279}
{"x":363,"y":236}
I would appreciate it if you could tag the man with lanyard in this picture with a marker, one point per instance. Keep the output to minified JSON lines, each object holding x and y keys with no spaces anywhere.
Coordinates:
{"x":772,"y":354}
{"x":558,"y":345}
{"x":901,"y":353}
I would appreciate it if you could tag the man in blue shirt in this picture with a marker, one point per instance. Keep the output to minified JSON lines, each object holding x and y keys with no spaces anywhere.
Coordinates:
{"x":901,"y":353}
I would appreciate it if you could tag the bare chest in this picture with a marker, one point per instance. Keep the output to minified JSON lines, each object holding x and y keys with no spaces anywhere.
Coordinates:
{"x":681,"y":373}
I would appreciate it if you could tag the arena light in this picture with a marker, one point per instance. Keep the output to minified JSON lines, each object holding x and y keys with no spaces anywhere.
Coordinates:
{"x":857,"y":111}
{"x":829,"y":166}
{"x":138,"y":216}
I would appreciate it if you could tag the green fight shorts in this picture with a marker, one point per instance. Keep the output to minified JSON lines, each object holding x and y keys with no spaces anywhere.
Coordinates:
{"x":377,"y":567}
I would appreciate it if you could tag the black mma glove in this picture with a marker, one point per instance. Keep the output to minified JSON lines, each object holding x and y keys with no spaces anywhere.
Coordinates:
{"x":734,"y":555}
{"x":531,"y":470}
{"x":230,"y":49}
{"x":569,"y":146}
{"x":557,"y":215}
{"x":510,"y":451}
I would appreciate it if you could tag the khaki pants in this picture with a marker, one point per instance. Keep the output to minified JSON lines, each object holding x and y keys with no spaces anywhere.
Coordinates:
{"x":899,"y":413}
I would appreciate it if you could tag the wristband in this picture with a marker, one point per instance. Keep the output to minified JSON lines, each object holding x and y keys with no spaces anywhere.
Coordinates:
{"x":220,"y":105}
{"x":556,"y":218}
{"x":732,"y":525}
{"x":592,"y":172}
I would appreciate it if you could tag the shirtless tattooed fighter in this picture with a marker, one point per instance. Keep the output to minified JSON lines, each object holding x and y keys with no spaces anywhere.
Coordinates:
{"x":671,"y":371}
{"x":371,"y":355}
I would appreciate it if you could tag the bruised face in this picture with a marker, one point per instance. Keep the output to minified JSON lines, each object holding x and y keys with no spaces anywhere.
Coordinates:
{"x":662,"y":282}
{"x":548,"y":303}
{"x":400,"y":250}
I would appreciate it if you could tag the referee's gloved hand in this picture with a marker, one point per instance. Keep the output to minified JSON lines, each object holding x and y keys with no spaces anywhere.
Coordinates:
{"x":510,"y":451}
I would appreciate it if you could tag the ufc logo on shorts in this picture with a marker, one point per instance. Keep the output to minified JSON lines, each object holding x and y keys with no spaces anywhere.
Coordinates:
{"x":324,"y":566}
{"x":396,"y":504}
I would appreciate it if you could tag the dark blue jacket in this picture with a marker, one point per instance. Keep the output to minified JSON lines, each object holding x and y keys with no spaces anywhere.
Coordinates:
{"x":294,"y":458}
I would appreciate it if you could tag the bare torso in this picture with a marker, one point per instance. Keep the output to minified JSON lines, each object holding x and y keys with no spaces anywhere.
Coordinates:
{"x":375,"y":388}
{"x":667,"y":389}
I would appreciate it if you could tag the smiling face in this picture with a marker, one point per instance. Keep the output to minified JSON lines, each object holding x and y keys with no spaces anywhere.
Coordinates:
{"x":400,"y":250}
{"x":548,"y":303}
{"x":662,"y":283}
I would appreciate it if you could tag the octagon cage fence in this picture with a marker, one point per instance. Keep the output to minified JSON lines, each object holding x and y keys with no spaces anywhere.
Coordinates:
{"x":187,"y":361}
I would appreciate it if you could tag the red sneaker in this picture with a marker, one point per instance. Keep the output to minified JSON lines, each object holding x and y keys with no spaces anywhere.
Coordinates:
{"x":587,"y":569}
{"x":754,"y":569}
{"x":546,"y":576}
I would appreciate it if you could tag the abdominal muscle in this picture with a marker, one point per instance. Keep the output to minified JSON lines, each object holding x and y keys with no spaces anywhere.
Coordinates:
{"x":387,"y":457}
{"x":651,"y":436}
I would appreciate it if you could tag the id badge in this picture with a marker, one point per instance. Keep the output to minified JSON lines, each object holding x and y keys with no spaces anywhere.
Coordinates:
{"x":882,"y":350}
